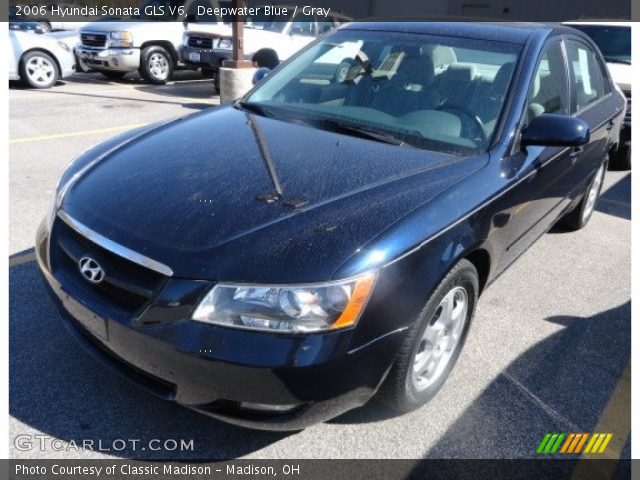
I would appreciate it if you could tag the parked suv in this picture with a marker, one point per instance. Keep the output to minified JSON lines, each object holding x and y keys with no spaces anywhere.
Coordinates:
{"x":614,"y":40}
{"x":285,"y":32}
{"x":143,"y":43}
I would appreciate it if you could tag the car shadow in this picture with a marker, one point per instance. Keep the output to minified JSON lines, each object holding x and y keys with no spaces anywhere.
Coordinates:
{"x":617,"y":199}
{"x":58,"y":389}
{"x":562,"y":384}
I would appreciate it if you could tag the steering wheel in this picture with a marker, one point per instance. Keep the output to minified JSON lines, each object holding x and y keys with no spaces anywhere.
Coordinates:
{"x":477,"y":123}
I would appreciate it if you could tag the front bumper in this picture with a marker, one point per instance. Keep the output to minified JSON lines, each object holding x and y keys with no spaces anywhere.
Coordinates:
{"x":204,"y":58}
{"x":234,"y":375}
{"x":116,"y":59}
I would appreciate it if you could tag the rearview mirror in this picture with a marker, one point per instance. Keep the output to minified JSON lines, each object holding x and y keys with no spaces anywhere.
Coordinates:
{"x":551,"y":130}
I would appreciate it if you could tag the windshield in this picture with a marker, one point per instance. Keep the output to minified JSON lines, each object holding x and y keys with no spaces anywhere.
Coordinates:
{"x":432,"y":92}
{"x":614,"y":42}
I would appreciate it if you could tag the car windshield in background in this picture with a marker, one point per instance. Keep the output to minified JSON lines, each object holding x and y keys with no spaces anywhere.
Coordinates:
{"x":431,"y":92}
{"x":614,"y":42}
{"x":271,"y":23}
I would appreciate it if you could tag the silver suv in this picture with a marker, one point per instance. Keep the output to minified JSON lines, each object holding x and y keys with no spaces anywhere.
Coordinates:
{"x":145,"y":44}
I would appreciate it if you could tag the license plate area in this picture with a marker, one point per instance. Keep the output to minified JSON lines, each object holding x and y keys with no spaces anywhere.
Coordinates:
{"x":92,"y":322}
{"x":194,"y":57}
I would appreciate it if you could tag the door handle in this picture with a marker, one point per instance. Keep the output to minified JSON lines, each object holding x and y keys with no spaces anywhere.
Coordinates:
{"x":575,"y":154}
{"x":610,"y":125}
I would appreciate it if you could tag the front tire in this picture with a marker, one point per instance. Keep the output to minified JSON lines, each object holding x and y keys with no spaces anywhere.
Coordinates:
{"x":434,"y":342}
{"x":580,"y":216}
{"x":156,"y":65}
{"x":38,"y":70}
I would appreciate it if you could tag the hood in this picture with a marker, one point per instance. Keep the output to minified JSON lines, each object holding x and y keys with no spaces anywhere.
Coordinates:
{"x":163,"y":28}
{"x":621,"y":74}
{"x":196,"y":195}
{"x":210,"y":29}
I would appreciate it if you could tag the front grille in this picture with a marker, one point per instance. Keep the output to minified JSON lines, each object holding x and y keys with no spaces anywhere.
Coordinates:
{"x":127,"y":286}
{"x":94,"y":40}
{"x":200,"y":42}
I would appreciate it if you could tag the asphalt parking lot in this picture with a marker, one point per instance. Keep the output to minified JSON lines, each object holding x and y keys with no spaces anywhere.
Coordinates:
{"x":549,"y":349}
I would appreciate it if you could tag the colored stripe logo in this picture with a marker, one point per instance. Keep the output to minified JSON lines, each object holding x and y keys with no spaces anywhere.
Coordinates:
{"x":573,"y":443}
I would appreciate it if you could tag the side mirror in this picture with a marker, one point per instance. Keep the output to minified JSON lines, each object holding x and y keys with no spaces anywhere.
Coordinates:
{"x":259,"y":74}
{"x":551,"y":130}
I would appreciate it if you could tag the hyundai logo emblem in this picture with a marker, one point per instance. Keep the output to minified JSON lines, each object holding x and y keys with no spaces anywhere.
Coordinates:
{"x":91,"y":270}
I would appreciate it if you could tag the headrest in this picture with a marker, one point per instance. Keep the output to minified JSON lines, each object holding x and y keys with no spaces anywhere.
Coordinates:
{"x":534,"y":89}
{"x":443,"y":56}
{"x":502,"y":78}
{"x":460,"y":73}
{"x":418,"y":70}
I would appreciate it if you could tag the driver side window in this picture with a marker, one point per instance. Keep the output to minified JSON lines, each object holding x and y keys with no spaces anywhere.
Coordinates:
{"x":548,"y":91}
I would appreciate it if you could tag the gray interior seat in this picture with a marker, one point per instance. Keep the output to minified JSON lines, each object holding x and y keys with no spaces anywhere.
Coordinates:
{"x":455,"y":85}
{"x":410,"y":88}
{"x":487,"y":104}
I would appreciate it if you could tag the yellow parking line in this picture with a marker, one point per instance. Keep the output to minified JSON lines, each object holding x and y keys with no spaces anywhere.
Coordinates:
{"x":22,"y":258}
{"x":615,"y":418}
{"x":56,"y":136}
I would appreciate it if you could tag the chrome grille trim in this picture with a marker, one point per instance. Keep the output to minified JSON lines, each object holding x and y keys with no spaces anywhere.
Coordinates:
{"x":115,"y":247}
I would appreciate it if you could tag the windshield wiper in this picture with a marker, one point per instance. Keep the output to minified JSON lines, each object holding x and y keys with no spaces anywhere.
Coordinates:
{"x":612,"y":59}
{"x":362,"y":132}
{"x":253,"y":108}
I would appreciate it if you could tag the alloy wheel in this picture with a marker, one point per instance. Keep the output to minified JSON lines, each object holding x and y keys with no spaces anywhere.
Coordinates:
{"x":592,"y":196}
{"x":40,"y":70}
{"x":440,"y":339}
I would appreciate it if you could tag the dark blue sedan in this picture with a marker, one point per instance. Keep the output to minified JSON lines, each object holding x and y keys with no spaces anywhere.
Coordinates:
{"x":276,"y":262}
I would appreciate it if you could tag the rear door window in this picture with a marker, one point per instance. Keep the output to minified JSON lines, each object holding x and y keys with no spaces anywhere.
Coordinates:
{"x":588,"y":77}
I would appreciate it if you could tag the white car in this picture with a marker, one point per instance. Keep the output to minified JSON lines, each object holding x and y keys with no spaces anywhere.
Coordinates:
{"x":614,"y":41}
{"x":40,"y":60}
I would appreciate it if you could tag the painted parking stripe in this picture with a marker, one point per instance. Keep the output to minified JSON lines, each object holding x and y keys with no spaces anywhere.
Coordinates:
{"x":22,"y":258}
{"x":57,"y":136}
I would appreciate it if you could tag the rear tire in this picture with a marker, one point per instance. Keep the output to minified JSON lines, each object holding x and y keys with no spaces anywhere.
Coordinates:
{"x":621,"y":159}
{"x":580,"y":216}
{"x":156,"y":65}
{"x":207,"y":72}
{"x":435,"y":337}
{"x":38,"y":70}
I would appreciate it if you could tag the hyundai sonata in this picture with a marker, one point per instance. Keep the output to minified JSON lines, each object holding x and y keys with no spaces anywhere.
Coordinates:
{"x":278,"y":261}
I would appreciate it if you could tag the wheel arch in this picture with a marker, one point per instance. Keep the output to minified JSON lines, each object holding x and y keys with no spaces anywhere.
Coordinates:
{"x":481,"y":260}
{"x":168,"y":46}
{"x":48,"y":52}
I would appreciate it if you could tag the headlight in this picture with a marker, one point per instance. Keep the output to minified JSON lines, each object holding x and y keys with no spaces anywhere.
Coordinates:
{"x":225,"y":43}
{"x":287,"y":309}
{"x":64,"y":46}
{"x":121,"y":39}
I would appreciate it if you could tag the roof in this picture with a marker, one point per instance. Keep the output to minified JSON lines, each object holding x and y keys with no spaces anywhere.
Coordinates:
{"x":600,"y":22}
{"x":493,"y":31}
